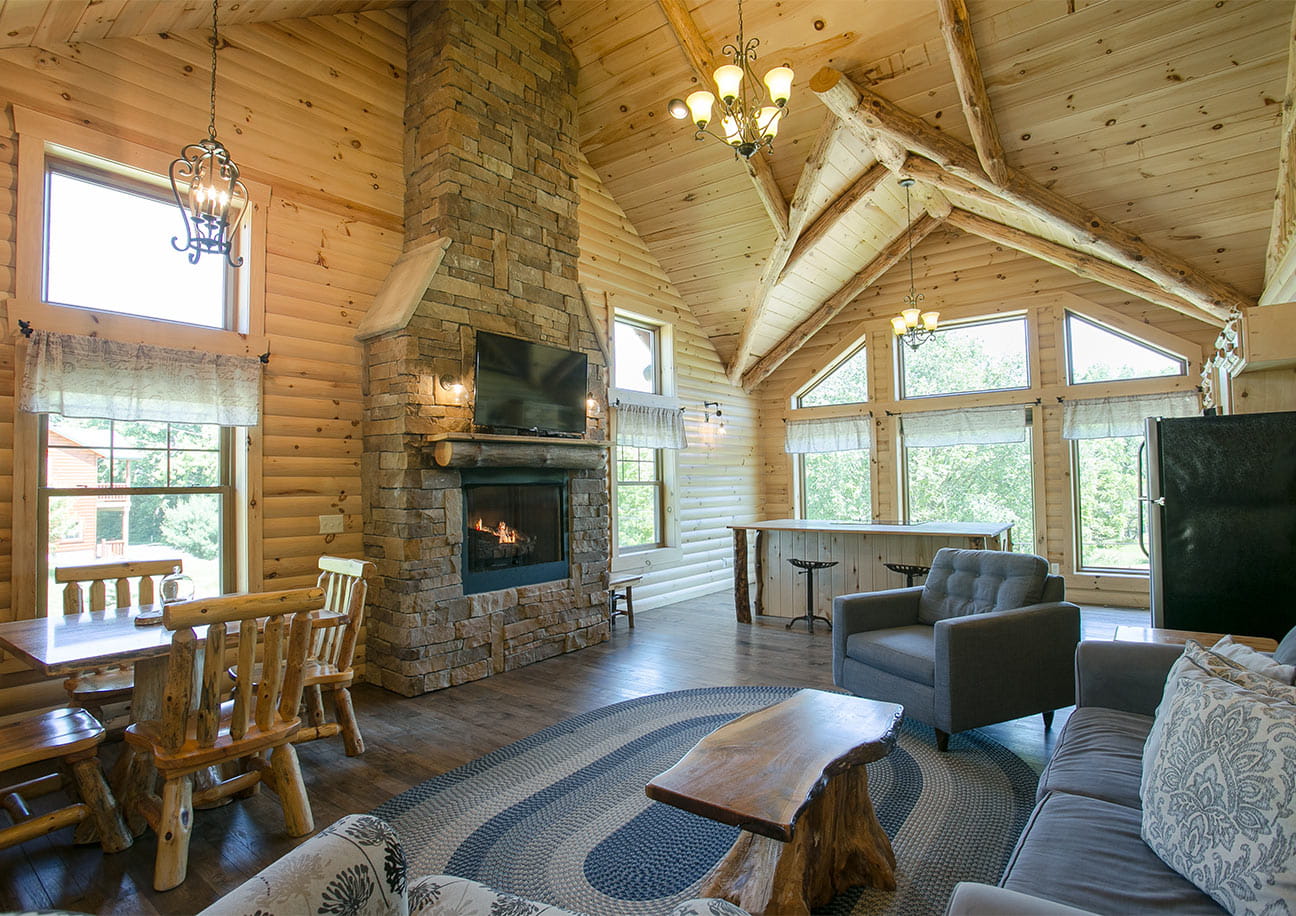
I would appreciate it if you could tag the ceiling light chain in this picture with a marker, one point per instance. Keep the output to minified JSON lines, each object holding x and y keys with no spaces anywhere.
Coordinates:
{"x":748,"y":126}
{"x":913,"y":326}
{"x":206,"y":185}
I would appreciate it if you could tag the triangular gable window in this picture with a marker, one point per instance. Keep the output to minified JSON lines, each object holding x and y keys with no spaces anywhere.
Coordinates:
{"x":1096,"y":353}
{"x":846,"y":383}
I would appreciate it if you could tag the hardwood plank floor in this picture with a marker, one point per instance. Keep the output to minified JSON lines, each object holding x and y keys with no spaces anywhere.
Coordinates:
{"x":692,"y":644}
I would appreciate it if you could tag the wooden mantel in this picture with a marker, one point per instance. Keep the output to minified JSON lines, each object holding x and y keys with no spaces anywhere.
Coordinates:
{"x":481,"y":450}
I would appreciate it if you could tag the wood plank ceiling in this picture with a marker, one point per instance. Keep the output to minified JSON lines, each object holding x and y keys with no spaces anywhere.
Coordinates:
{"x":1156,"y":121}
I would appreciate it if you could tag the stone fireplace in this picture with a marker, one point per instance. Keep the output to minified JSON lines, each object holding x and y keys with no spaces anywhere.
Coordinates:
{"x":492,"y":551}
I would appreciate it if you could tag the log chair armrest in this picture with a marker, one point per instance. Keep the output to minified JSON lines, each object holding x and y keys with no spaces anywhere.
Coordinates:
{"x":1006,"y":664}
{"x":1129,"y":676}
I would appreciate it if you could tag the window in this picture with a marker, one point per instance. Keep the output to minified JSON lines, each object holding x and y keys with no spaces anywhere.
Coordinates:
{"x":117,"y":490}
{"x":1109,"y":517}
{"x":1099,"y":354}
{"x":971,"y":466}
{"x":124,"y":262}
{"x":836,"y":485}
{"x":961,"y":358}
{"x":640,"y":505}
{"x":845,"y":383}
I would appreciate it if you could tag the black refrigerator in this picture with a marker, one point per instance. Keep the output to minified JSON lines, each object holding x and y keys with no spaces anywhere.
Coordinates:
{"x":1222,"y":523}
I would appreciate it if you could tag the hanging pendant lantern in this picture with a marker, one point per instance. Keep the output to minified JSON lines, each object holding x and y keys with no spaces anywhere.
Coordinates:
{"x":207,"y":189}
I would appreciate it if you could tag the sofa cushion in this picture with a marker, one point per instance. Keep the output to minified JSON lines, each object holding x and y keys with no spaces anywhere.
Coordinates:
{"x":1100,"y":754}
{"x":1217,"y":793}
{"x":1255,"y":661}
{"x":963,"y":582}
{"x":1285,"y":654}
{"x":908,"y":652}
{"x":1088,"y":853}
{"x":451,"y":896}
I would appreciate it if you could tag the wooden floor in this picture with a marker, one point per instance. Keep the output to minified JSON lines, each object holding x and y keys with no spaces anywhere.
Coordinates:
{"x":693,"y":644}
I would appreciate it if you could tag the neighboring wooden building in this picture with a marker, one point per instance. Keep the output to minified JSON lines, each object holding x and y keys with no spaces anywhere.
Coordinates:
{"x":1115,"y":160}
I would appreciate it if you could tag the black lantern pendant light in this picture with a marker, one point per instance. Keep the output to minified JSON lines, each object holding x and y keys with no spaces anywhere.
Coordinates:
{"x":207,"y":188}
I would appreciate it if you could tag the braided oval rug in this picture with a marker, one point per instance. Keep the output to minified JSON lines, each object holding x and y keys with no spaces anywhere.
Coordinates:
{"x":561,"y":816}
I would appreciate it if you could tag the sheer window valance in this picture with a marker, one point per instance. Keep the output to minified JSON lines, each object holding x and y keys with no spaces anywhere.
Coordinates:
{"x":979,"y":426}
{"x":827,"y":434}
{"x":1107,"y":418}
{"x":643,"y":426}
{"x":80,"y":376}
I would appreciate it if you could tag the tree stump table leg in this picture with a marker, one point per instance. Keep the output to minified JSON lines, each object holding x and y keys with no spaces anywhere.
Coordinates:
{"x":742,"y":601}
{"x":838,"y":843}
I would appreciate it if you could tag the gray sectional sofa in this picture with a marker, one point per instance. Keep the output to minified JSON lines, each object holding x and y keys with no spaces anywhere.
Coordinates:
{"x":1082,"y":849}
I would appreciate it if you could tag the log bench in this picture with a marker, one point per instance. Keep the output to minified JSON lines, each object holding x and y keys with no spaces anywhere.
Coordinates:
{"x":792,"y":777}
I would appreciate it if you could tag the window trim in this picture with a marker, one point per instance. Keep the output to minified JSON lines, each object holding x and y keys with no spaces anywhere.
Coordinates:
{"x":1028,"y":338}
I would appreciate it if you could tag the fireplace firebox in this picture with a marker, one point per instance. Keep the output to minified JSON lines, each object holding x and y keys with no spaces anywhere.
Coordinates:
{"x":515,"y":528}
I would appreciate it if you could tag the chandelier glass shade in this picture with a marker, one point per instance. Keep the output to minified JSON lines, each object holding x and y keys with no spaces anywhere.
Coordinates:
{"x":746,"y":123}
{"x":913,"y":326}
{"x":207,"y":188}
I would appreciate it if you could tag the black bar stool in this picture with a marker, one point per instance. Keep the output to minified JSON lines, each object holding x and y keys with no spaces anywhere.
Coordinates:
{"x":808,"y":568}
{"x":908,"y":570}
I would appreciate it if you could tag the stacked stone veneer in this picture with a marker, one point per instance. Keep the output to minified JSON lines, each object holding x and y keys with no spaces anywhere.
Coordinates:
{"x":491,"y":156}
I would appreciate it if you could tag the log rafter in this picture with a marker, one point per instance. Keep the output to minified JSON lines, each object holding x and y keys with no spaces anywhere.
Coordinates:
{"x":798,"y":213}
{"x":701,"y":59}
{"x":863,"y":110}
{"x":886,"y":259}
{"x":956,"y":28}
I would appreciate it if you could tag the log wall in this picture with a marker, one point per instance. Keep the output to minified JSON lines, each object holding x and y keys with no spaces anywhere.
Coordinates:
{"x":716,"y":476}
{"x":314,"y":109}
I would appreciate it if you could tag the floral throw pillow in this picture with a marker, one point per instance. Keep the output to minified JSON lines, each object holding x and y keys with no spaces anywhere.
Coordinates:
{"x":1219,"y":792}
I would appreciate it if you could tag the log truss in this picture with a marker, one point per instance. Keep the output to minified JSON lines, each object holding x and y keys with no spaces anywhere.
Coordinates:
{"x":907,"y":146}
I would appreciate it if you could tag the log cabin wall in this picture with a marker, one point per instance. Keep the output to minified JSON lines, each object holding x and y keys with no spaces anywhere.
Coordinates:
{"x":965,"y":277}
{"x":716,"y":476}
{"x":314,"y":109}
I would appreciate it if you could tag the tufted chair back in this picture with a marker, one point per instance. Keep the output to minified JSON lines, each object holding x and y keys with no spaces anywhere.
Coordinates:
{"x":963,"y":582}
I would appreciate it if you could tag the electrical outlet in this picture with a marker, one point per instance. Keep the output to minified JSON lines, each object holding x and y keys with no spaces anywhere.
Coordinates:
{"x":330,"y":524}
{"x":1055,"y":569}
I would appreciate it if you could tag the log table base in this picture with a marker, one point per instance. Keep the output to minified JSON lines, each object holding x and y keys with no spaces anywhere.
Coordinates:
{"x":792,"y":776}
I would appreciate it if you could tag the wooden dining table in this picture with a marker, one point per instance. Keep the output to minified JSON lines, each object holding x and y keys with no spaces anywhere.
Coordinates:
{"x":67,"y":644}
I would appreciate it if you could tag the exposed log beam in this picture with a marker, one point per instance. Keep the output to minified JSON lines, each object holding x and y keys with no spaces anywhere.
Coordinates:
{"x":702,"y":61}
{"x":956,"y":28}
{"x":832,"y":216}
{"x":797,"y":338}
{"x":861,"y":108}
{"x":1082,"y":265}
{"x":798,"y":212}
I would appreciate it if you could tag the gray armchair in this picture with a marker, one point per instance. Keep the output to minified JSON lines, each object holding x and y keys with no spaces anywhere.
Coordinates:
{"x":988,"y":638}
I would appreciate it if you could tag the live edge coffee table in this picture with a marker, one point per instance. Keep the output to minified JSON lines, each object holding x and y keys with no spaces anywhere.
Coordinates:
{"x":792,"y":776}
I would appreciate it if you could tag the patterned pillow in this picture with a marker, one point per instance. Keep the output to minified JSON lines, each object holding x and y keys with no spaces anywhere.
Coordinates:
{"x":1255,"y":661}
{"x":1218,"y":789}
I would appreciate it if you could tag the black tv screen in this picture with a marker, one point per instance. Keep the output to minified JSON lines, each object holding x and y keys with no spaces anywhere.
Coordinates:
{"x":526,"y":385}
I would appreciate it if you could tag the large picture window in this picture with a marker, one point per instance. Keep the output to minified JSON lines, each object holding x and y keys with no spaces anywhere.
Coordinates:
{"x":837,"y":485}
{"x":113,"y":491}
{"x":961,"y":358}
{"x":1108,"y":511}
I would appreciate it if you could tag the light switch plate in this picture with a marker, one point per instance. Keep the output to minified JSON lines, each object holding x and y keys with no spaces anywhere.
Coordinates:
{"x":330,"y":524}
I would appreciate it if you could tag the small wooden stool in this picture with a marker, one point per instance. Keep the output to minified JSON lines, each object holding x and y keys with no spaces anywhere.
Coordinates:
{"x":909,"y":571}
{"x":623,"y":587}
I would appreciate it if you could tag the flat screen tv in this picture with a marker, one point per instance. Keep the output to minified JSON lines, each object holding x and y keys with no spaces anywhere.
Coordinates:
{"x":523,"y":385}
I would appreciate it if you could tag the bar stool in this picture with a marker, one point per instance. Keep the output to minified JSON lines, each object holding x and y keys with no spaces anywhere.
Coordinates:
{"x":808,"y":568}
{"x":909,"y":571}
{"x":621,"y":588}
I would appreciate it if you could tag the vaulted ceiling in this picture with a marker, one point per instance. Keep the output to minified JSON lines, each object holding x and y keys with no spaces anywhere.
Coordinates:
{"x":1137,"y":142}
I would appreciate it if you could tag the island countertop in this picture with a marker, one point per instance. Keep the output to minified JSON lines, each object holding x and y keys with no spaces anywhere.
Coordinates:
{"x":923,"y":529}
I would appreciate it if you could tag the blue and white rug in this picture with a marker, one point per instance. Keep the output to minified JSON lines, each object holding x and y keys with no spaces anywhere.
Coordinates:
{"x":561,"y":816}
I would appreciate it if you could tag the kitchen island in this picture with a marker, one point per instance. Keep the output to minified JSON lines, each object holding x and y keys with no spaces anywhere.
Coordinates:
{"x":860,"y":549}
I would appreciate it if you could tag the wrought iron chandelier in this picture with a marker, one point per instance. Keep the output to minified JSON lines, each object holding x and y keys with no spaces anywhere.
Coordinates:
{"x":913,"y":326}
{"x":207,"y":188}
{"x":747,"y":126}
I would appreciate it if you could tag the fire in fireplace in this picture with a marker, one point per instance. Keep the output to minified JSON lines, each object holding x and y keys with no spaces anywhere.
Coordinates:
{"x":515,"y":528}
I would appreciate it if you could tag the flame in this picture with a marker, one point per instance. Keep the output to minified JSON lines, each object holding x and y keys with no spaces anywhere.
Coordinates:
{"x":503,"y":532}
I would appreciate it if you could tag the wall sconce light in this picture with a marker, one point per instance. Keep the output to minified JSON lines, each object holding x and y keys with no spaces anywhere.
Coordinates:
{"x":719,"y":415}
{"x":453,"y":387}
{"x":592,"y":408}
